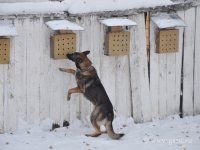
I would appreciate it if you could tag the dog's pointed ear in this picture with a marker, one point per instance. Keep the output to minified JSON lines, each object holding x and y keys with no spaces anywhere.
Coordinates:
{"x":86,"y":53}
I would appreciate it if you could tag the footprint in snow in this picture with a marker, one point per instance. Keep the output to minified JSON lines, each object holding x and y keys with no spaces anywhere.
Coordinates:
{"x":7,"y":143}
{"x":50,"y":147}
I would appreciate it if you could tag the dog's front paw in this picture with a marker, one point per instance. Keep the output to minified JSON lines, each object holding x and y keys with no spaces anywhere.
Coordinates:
{"x":61,"y":69}
{"x":68,"y":97}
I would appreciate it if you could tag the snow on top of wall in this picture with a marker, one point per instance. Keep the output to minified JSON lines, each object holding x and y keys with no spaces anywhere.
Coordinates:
{"x":77,"y":6}
{"x":118,"y":22}
{"x":34,"y":7}
{"x":87,"y":6}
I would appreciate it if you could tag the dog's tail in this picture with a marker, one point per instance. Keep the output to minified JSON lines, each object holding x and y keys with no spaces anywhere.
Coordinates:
{"x":111,"y":132}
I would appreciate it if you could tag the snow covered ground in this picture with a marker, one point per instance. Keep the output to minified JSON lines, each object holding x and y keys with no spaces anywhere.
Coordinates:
{"x":170,"y":134}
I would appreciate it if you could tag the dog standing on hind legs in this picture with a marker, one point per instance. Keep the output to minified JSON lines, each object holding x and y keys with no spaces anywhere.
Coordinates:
{"x":90,"y":85}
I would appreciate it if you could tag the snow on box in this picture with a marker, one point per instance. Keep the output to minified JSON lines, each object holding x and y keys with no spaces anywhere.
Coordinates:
{"x":88,"y":6}
{"x":34,"y":7}
{"x":118,"y":22}
{"x":63,"y":25}
{"x":168,"y":20}
{"x":7,"y":29}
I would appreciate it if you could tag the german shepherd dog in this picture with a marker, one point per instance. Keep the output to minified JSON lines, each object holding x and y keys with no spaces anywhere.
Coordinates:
{"x":90,"y":85}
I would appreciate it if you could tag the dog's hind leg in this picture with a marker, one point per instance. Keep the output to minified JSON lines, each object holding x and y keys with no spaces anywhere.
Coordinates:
{"x":97,"y":130}
{"x":93,"y":119}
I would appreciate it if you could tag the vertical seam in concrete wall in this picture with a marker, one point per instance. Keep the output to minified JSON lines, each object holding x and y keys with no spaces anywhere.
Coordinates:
{"x":194,"y":58}
{"x":130,"y":86}
{"x":3,"y":99}
{"x":182,"y":71}
{"x":26,"y":79}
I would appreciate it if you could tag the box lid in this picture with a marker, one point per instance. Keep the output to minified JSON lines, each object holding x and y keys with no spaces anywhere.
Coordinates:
{"x":7,"y":29}
{"x":118,"y":22}
{"x":63,"y":25}
{"x":163,"y":20}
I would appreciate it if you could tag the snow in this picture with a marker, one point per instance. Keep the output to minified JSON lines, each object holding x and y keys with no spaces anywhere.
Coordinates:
{"x":168,"y":20}
{"x":87,"y":6}
{"x":63,"y":25}
{"x":7,"y":29}
{"x":172,"y":133}
{"x":12,"y":1}
{"x":118,"y":22}
{"x":34,"y":7}
{"x":77,"y":6}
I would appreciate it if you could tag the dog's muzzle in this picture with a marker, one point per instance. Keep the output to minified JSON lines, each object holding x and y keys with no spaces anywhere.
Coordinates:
{"x":70,"y":56}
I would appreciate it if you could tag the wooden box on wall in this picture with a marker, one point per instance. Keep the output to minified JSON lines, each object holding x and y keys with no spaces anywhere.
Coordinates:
{"x":4,"y":50}
{"x":62,"y":44}
{"x":117,"y":43}
{"x":167,"y":34}
{"x":118,"y":35}
{"x":167,"y":41}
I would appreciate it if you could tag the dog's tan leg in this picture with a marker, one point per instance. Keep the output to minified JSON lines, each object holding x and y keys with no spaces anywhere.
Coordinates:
{"x":72,"y":71}
{"x":97,"y":130}
{"x":73,"y":90}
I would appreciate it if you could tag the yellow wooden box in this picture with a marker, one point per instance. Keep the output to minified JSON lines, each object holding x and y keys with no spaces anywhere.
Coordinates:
{"x":118,"y":43}
{"x":63,"y":44}
{"x":167,"y":41}
{"x":4,"y":50}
